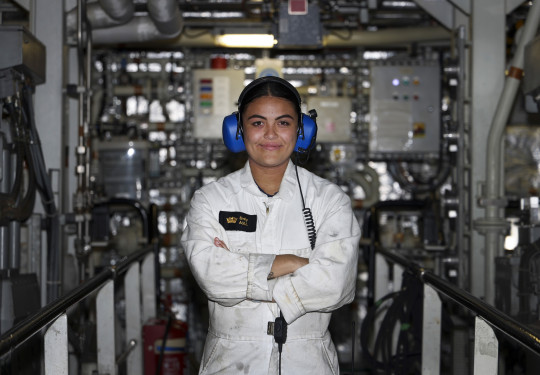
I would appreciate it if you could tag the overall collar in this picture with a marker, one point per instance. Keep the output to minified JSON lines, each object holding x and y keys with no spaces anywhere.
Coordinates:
{"x":286,"y":189}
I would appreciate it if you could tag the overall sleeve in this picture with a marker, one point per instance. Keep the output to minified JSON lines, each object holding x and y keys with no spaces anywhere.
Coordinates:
{"x":329,"y":280}
{"x":226,"y":277}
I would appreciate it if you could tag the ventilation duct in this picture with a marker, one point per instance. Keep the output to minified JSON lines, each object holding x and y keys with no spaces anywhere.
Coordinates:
{"x":166,"y":16}
{"x":139,"y":29}
{"x":119,"y":10}
{"x":97,"y":16}
{"x":113,"y":21}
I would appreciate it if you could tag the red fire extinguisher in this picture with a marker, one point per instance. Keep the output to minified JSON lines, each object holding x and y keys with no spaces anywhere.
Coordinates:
{"x":165,"y":347}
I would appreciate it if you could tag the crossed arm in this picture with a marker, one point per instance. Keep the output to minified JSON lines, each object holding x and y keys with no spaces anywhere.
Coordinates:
{"x":283,"y":264}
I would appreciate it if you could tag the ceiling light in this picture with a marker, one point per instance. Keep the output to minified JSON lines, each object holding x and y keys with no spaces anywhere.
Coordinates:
{"x":246,"y":40}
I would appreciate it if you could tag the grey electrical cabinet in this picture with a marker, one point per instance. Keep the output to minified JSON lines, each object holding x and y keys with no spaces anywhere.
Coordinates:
{"x":405,"y":101}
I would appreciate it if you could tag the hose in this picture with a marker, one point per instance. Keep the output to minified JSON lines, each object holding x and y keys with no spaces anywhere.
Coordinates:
{"x":13,"y":207}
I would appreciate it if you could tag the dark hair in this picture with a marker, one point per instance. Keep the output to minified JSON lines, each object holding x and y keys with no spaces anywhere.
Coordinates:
{"x":269,"y":86}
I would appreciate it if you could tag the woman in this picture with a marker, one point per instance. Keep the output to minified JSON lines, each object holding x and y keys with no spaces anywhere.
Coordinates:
{"x":248,"y":247}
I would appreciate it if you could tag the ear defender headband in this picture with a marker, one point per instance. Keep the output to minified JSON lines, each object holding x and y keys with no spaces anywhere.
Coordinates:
{"x":232,"y":127}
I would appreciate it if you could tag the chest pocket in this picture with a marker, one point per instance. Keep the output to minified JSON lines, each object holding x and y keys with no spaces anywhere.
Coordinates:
{"x":240,"y":228}
{"x":242,"y":242}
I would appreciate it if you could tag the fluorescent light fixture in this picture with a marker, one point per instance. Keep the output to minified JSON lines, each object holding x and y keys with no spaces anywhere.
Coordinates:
{"x":246,"y":40}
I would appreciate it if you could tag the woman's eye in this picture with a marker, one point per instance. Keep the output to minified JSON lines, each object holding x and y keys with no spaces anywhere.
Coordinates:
{"x":284,"y":123}
{"x":256,"y":123}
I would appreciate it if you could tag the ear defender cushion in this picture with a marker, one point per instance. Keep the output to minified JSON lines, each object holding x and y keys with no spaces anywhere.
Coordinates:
{"x":232,"y":137}
{"x":307,"y":137}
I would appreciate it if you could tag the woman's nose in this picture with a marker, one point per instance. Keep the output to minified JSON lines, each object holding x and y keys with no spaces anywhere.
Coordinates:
{"x":270,"y":132}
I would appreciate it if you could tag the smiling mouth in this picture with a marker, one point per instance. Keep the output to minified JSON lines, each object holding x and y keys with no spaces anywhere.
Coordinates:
{"x":270,"y":147}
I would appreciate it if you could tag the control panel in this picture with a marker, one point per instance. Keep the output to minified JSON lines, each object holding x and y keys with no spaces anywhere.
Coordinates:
{"x":405,"y":109}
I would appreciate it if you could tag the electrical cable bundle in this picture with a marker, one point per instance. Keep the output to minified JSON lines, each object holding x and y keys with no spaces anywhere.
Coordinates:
{"x":18,"y":203}
{"x":418,"y":185}
{"x":403,"y":311}
{"x":47,"y":199}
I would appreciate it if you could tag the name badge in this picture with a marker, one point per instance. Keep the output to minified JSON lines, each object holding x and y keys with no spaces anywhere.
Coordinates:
{"x":238,"y":221}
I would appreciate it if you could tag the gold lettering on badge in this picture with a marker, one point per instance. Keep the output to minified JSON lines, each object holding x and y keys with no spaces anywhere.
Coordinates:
{"x":243,"y":221}
{"x":232,"y":220}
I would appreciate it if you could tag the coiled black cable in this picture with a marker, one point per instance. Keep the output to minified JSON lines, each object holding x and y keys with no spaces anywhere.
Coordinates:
{"x":404,"y":310}
{"x":310,"y":225}
{"x":308,"y":218}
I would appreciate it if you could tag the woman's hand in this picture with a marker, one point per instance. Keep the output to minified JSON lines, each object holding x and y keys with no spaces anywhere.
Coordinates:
{"x":219,"y":243}
{"x":285,"y":264}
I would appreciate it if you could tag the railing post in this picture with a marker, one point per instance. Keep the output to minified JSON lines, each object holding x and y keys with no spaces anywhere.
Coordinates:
{"x":56,"y":347}
{"x":382,"y":276}
{"x":132,"y":287}
{"x":106,"y":355}
{"x":486,"y":348}
{"x":431,"y":332}
{"x":397,"y":270}
{"x":148,"y":285}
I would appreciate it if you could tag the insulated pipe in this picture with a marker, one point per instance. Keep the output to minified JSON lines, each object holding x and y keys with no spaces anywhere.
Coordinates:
{"x":119,"y":10}
{"x":139,"y":29}
{"x":166,"y":16}
{"x":369,"y":185}
{"x":493,"y":225}
{"x":97,"y":17}
{"x":15,"y":245}
{"x":389,"y":37}
{"x":5,"y":186}
{"x":384,"y":38}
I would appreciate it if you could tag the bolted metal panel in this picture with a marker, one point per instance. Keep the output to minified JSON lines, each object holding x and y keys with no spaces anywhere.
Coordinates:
{"x":299,"y":30}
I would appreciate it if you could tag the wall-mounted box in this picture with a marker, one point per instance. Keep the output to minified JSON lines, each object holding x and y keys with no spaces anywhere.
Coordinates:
{"x":23,"y":52}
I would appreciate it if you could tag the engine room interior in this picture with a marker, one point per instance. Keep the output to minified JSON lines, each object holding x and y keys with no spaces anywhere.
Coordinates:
{"x":112,"y":114}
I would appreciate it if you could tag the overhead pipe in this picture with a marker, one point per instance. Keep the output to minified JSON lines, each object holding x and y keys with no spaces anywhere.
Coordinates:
{"x":164,"y":21}
{"x":389,"y":37}
{"x":166,"y":16}
{"x":101,"y":16}
{"x":119,"y":10}
{"x":113,"y":21}
{"x":493,"y":224}
{"x":139,"y":29}
{"x":381,"y":38}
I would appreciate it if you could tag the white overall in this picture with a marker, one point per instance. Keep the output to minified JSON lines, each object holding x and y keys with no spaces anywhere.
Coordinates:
{"x":256,"y":228}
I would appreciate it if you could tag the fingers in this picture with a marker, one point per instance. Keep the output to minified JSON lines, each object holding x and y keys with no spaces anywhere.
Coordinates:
{"x":219,"y":243}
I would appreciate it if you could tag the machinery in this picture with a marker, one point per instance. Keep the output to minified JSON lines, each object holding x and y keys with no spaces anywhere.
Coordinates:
{"x":132,"y":129}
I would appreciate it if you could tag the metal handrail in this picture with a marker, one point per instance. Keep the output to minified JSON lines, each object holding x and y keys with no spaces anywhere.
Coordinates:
{"x":46,"y":315}
{"x":491,"y":315}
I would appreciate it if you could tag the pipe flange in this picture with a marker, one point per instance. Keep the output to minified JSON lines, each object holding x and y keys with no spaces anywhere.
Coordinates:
{"x":485,"y":225}
{"x":493,"y":202}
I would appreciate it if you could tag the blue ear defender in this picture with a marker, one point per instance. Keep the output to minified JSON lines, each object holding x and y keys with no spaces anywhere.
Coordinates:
{"x":232,"y":134}
{"x":307,"y":133}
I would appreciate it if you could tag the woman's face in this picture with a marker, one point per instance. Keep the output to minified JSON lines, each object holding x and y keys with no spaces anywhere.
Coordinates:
{"x":270,"y":126}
